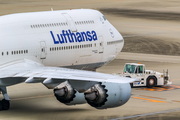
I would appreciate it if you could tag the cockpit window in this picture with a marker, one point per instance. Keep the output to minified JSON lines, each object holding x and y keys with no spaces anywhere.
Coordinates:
{"x":129,"y":68}
{"x":104,"y":18}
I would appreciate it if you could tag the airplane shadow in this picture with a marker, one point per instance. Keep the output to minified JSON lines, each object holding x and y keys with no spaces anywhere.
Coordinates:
{"x":25,"y":108}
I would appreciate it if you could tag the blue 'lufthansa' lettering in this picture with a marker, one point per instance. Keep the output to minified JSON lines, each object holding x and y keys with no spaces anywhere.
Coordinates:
{"x":55,"y":42}
{"x":68,"y":36}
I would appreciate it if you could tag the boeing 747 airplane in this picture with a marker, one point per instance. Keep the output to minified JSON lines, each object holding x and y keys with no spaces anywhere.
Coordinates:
{"x":62,"y":50}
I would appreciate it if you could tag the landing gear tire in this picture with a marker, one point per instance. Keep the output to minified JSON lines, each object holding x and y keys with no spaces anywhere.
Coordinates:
{"x":0,"y":105}
{"x":151,"y":82}
{"x":5,"y":104}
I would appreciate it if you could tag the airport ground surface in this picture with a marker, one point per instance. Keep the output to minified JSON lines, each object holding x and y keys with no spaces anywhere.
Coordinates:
{"x":149,"y":27}
{"x":35,"y":102}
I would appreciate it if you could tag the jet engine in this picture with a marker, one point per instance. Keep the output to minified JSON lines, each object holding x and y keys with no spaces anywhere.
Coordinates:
{"x":64,"y":93}
{"x":108,"y":95}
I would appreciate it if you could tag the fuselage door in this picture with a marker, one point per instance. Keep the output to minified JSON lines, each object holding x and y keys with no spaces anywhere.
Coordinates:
{"x":70,"y":22}
{"x":101,"y":44}
{"x":43,"y":49}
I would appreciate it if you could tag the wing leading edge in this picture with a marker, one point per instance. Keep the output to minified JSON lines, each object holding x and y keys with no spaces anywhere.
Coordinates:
{"x":33,"y":72}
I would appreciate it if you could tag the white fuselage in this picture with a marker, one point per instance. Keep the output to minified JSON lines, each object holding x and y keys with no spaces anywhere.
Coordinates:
{"x":81,"y":39}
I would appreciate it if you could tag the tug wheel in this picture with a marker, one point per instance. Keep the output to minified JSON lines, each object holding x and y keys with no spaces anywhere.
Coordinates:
{"x":151,"y":82}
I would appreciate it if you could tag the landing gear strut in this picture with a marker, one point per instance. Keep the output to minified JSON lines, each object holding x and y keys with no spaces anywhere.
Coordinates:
{"x":4,"y":104}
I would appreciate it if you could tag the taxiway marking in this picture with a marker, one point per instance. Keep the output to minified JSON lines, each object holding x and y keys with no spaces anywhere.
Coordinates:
{"x":164,"y":88}
{"x":150,"y":100}
{"x":153,"y":97}
{"x":176,"y":101}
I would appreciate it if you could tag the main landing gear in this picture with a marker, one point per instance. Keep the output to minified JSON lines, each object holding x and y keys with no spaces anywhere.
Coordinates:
{"x":4,"y":104}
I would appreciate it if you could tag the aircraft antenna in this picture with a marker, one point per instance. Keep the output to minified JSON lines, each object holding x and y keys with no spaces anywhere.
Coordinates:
{"x":52,"y":9}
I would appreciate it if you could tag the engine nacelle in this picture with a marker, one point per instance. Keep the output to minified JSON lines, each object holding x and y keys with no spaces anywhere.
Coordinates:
{"x":108,"y":95}
{"x":64,"y":93}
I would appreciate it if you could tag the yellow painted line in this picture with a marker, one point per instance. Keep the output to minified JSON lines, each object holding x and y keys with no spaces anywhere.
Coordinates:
{"x":153,"y":97}
{"x":150,"y":100}
{"x":176,"y":101}
{"x":175,"y":86}
{"x":25,"y":98}
{"x":157,"y":89}
{"x":164,"y":88}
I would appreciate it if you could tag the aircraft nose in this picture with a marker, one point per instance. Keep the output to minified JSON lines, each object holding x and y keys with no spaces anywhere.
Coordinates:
{"x":120,"y":40}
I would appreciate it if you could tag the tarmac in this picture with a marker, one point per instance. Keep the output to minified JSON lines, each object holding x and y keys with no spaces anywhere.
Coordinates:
{"x":36,"y":102}
{"x":151,"y":32}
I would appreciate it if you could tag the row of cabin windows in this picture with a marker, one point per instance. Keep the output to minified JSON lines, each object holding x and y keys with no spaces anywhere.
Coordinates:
{"x":49,"y":25}
{"x":16,"y":52}
{"x":71,"y":47}
{"x":84,"y":22}
{"x":61,"y":24}
{"x":114,"y":42}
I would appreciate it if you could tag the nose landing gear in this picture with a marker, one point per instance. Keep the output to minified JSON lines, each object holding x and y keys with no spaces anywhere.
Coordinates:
{"x":4,"y":104}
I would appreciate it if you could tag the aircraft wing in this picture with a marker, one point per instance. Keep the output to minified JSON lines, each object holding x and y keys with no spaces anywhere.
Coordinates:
{"x":33,"y":72}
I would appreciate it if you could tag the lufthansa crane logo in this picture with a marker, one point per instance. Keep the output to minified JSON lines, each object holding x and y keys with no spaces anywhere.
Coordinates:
{"x":111,"y":32}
